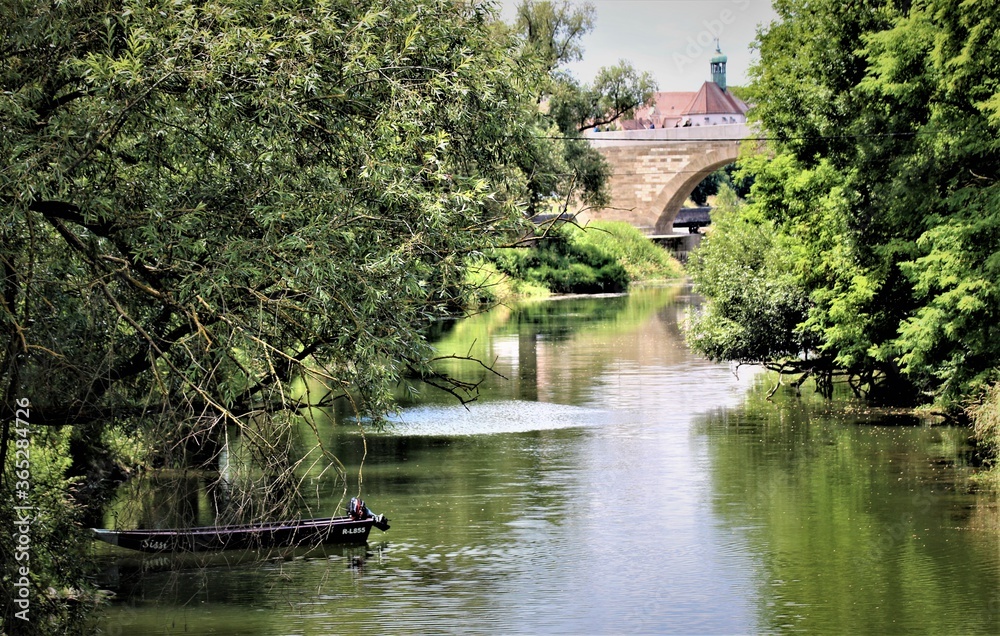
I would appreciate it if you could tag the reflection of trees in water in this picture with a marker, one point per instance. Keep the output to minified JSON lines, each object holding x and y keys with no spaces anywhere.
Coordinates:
{"x":231,"y":583}
{"x":674,"y":314}
{"x":517,"y":339}
{"x":277,"y":467}
{"x":843,"y":506}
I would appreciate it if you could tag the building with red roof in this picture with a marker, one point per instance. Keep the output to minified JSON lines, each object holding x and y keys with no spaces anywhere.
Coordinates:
{"x":711,"y":105}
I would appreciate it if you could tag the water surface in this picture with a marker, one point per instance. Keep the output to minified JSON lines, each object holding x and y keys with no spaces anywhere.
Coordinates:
{"x":612,"y":483}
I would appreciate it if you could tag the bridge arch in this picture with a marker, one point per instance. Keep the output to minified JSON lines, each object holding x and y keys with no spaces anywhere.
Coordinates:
{"x":654,"y":171}
{"x":680,"y":186}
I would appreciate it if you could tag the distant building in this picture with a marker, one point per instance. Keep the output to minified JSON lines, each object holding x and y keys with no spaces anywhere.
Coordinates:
{"x":712,"y":105}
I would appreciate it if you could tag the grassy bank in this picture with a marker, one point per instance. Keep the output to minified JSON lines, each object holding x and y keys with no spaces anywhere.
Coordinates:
{"x":603,"y":257}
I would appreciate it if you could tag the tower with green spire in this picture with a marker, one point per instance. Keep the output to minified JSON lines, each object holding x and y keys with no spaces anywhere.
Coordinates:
{"x":719,"y":66}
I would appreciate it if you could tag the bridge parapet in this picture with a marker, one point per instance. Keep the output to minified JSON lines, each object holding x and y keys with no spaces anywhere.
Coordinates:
{"x":686,"y":133}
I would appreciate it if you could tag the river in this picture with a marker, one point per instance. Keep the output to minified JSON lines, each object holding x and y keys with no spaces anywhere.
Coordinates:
{"x":612,"y":482}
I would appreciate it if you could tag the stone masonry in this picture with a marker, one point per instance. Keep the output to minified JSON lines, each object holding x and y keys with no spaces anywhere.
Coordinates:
{"x":655,"y":171}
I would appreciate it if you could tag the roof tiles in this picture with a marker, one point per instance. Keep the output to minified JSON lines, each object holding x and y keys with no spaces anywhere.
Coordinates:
{"x":712,"y":100}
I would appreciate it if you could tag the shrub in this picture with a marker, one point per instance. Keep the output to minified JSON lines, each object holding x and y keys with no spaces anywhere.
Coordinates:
{"x":641,"y":258}
{"x":490,"y":284}
{"x":604,"y":257}
{"x":986,"y":419}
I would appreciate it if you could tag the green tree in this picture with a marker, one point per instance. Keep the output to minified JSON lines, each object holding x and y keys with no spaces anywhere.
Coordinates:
{"x":180,"y":185}
{"x":952,"y":197}
{"x":724,"y":176}
{"x":563,"y":168}
{"x":615,"y":94}
{"x":756,"y":306}
{"x":202,"y":202}
{"x":880,"y":179}
{"x":552,"y":30}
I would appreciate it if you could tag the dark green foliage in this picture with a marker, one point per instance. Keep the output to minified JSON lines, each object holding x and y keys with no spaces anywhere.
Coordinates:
{"x":603,"y":257}
{"x":756,"y":306}
{"x":723,"y":176}
{"x":560,"y":166}
{"x":573,"y":270}
{"x":642,"y":259}
{"x":880,"y":184}
{"x":172,"y":199}
{"x":201,"y":202}
{"x":50,"y":548}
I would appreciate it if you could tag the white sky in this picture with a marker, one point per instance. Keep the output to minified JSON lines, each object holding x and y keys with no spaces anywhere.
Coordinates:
{"x":672,"y":39}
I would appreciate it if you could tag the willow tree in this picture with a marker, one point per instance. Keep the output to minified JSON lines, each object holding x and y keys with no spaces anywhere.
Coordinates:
{"x":202,"y":201}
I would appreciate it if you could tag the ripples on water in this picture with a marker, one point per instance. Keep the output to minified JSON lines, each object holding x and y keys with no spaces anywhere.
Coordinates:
{"x":617,"y":484}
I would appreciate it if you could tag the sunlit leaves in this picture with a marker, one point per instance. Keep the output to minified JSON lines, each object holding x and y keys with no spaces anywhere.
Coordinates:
{"x":755,"y":305}
{"x":294,"y":183}
{"x":881,"y":180}
{"x":559,"y":166}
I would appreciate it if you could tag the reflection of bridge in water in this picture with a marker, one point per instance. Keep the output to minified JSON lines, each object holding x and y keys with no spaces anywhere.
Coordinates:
{"x":546,"y":350}
{"x":655,"y":171}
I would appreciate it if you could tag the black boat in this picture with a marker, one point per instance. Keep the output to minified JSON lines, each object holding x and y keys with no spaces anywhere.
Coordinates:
{"x":353,"y":528}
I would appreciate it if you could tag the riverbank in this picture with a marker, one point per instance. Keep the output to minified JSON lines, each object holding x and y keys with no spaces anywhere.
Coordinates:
{"x":610,"y":257}
{"x":602,"y":257}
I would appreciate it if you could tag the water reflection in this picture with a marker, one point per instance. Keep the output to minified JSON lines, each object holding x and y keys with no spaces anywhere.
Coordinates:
{"x":615,"y":483}
{"x":857,"y":523}
{"x":626,"y":351}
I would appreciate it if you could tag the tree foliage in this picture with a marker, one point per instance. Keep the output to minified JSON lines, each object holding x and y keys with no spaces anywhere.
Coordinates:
{"x":200,"y":199}
{"x":724,"y":176}
{"x":203,"y":201}
{"x":603,"y":257}
{"x":563,"y":168}
{"x":552,"y":30}
{"x":880,"y":185}
{"x":757,"y":306}
{"x":615,"y":94}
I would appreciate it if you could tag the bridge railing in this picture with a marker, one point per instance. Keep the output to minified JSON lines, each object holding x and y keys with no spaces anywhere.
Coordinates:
{"x":721,"y":132}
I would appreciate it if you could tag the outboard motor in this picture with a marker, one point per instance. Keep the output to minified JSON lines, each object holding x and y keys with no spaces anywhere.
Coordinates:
{"x":381,"y":523}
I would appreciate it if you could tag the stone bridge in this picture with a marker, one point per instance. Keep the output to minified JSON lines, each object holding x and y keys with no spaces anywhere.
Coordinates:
{"x":655,"y":171}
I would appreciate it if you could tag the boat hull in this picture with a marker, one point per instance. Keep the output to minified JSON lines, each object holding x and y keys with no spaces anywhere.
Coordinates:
{"x":304,"y":533}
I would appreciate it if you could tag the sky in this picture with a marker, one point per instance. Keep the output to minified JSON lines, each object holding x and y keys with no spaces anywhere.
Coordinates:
{"x":672,"y":39}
